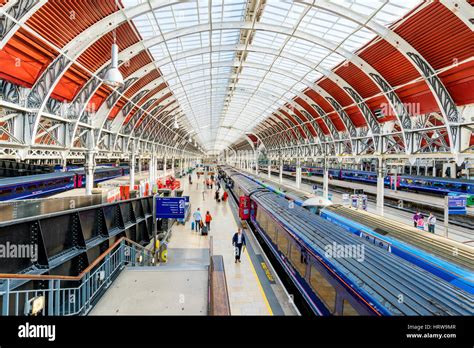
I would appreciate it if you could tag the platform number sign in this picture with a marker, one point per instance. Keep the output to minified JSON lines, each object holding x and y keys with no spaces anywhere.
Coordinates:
{"x":171,"y":207}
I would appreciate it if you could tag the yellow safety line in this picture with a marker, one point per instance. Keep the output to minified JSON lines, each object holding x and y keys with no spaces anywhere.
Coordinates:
{"x":259,"y":285}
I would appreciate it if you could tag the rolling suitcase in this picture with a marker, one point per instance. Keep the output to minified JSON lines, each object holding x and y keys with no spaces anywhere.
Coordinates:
{"x":204,"y":230}
{"x":192,"y":225}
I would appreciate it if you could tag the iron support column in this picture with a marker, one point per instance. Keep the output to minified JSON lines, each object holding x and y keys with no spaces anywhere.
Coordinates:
{"x":380,"y":186}
{"x":325,"y":178}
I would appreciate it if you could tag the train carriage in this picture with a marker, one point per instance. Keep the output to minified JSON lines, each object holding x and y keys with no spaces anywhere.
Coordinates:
{"x":367,"y":283}
{"x":34,"y":186}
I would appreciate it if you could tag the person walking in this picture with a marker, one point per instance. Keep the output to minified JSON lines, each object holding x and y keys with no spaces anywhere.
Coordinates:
{"x":420,"y":223}
{"x":208,"y":221}
{"x":216,"y":196}
{"x":238,"y":241}
{"x":197,"y":219}
{"x":416,"y":217}
{"x":431,"y":223}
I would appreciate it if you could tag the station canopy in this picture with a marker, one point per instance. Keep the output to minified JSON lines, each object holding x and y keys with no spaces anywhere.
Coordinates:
{"x":243,"y":60}
{"x":304,"y":78}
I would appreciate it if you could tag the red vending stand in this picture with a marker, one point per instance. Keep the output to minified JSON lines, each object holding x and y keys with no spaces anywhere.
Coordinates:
{"x":244,"y":208}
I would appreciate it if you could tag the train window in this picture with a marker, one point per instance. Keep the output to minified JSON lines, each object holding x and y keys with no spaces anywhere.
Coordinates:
{"x":19,"y":189}
{"x":271,"y":229}
{"x":282,"y":241}
{"x":297,"y":259}
{"x":262,"y":219}
{"x":347,"y":309}
{"x":323,"y":289}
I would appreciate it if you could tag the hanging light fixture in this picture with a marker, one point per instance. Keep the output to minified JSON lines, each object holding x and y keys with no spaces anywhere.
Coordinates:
{"x":113,"y":77}
{"x":176,"y":124}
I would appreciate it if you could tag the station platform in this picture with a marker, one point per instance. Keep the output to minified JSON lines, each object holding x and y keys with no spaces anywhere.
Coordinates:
{"x":457,"y":233}
{"x":179,"y":286}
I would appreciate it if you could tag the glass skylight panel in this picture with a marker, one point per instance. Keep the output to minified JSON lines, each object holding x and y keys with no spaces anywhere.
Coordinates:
{"x":331,"y":61}
{"x":201,"y":82}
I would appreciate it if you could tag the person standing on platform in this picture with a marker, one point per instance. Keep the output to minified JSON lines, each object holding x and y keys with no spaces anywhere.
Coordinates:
{"x":208,"y":221}
{"x":224,"y":196}
{"x":420,"y":223}
{"x":216,"y":196}
{"x":190,"y":179}
{"x":431,"y":223}
{"x":197,"y":219}
{"x":416,"y":217}
{"x":238,"y":241}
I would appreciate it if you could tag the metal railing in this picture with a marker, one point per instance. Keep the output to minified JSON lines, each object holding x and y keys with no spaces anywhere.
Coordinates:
{"x":58,"y":298}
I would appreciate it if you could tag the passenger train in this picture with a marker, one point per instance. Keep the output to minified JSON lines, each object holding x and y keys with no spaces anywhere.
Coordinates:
{"x":35,"y":186}
{"x":427,"y":184}
{"x":338,"y":273}
{"x":430,"y":252}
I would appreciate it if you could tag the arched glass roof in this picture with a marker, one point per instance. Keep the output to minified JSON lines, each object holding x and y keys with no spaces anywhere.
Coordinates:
{"x":225,"y":74}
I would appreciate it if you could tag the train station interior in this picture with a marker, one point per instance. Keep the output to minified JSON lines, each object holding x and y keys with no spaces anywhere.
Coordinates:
{"x":237,"y":158}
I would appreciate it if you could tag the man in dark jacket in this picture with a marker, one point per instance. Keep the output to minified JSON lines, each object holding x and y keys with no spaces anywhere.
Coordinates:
{"x":238,"y":241}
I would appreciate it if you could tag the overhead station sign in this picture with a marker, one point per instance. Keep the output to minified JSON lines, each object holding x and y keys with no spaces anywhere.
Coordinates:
{"x":171,"y":207}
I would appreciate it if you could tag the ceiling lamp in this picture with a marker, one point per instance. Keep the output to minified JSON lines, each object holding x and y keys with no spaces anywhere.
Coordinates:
{"x":176,"y":124}
{"x":113,"y":77}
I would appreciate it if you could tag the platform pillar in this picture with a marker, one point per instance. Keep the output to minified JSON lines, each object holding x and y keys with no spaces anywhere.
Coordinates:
{"x":325,"y":179}
{"x":256,"y":162}
{"x":151,"y":170}
{"x":298,"y":174}
{"x":172,"y":166}
{"x":89,"y":165}
{"x":164,"y":166}
{"x":132,"y":170}
{"x":434,"y":168}
{"x":269,"y":170}
{"x":89,"y":169}
{"x":380,"y":186}
{"x":281,"y":173}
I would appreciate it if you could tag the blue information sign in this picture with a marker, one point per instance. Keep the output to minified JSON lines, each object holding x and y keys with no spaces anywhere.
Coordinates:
{"x":457,"y":205}
{"x":171,"y":207}
{"x":457,"y":202}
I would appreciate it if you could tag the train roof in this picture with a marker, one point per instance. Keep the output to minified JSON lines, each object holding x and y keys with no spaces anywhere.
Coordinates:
{"x":33,"y":178}
{"x":249,"y":186}
{"x":381,"y":275}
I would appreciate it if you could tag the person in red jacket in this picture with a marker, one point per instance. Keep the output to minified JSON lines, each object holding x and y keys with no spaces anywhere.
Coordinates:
{"x":208,"y":220}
